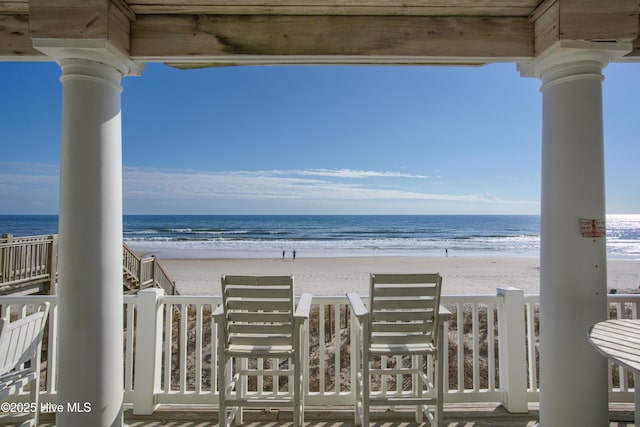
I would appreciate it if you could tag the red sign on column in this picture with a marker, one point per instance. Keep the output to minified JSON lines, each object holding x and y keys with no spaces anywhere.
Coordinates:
{"x":593,"y":227}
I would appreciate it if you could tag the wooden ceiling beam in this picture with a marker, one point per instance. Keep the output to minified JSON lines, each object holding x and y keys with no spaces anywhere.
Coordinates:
{"x":288,"y":31}
{"x":316,"y":10}
{"x":199,"y":38}
{"x":9,"y":7}
{"x":595,"y":20}
{"x":15,"y":43}
{"x":107,"y":20}
{"x":336,"y":7}
{"x":585,"y":20}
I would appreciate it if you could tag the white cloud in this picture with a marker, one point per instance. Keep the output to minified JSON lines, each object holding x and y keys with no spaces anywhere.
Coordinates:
{"x":28,"y":178}
{"x":283,"y":191}
{"x":284,"y":185}
{"x":350,"y":173}
{"x":17,"y":173}
{"x":30,"y":188}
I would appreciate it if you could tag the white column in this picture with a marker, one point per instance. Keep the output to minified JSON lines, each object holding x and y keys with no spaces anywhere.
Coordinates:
{"x":90,"y":375}
{"x":573,"y":276}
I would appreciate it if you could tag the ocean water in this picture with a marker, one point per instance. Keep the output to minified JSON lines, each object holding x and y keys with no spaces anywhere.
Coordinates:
{"x":258,"y":236}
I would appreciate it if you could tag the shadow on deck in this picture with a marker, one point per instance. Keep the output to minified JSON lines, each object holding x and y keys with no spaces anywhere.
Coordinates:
{"x":464,"y":415}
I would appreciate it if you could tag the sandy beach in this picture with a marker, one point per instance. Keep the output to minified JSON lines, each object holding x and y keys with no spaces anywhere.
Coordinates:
{"x":335,"y":276}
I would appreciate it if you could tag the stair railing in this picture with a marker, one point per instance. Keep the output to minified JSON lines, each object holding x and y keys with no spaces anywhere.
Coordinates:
{"x":146,"y":272}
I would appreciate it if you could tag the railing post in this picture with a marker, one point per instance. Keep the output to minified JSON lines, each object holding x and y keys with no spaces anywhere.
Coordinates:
{"x":513,"y":360}
{"x":148,"y":351}
{"x":4,"y":273}
{"x":140,"y":272}
{"x":154,"y":277}
{"x":53,"y":265}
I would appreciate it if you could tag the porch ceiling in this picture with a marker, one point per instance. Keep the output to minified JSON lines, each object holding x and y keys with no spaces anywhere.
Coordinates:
{"x":191,"y":33}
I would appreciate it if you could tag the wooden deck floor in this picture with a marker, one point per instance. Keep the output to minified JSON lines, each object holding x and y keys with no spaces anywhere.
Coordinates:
{"x":455,"y":416}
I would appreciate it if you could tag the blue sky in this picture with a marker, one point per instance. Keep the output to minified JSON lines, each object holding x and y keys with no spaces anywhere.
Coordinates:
{"x":315,"y":139}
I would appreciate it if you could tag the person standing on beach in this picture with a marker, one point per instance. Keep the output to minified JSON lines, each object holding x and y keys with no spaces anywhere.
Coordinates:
{"x":283,"y":254}
{"x":294,"y":254}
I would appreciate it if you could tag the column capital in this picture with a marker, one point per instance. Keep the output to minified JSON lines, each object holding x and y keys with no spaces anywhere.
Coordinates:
{"x":92,"y":50}
{"x":569,"y":53}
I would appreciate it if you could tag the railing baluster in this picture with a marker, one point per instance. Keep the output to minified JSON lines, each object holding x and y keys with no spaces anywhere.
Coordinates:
{"x":337,"y":336}
{"x":213,"y":372}
{"x":30,"y":261}
{"x":19,"y":260}
{"x":3,"y":263}
{"x":622,"y":373}
{"x":491,"y":348}
{"x":260,"y":379}
{"x":182,"y":345}
{"x":198,"y":349}
{"x":531,"y":347}
{"x":168,"y":340}
{"x":445,"y":354}
{"x":23,"y":262}
{"x":476,"y":347}
{"x":460,"y":355}
{"x":399,"y":378}
{"x":36,"y":260}
{"x":275,"y":379}
{"x":11,"y":264}
{"x":129,"y":347}
{"x":322,"y":350}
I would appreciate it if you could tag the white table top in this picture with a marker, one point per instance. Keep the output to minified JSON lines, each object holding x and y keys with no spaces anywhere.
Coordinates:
{"x":618,"y":340}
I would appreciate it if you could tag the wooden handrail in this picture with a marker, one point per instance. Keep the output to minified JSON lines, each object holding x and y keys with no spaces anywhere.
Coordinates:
{"x":130,"y":261}
{"x":163,"y":280}
{"x":146,"y":271}
{"x":29,"y":265}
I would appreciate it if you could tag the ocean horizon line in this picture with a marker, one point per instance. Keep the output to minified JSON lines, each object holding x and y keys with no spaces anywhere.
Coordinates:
{"x":322,"y":235}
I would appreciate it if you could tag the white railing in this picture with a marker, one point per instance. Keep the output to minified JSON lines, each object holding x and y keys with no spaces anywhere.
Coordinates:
{"x":492,"y":353}
{"x":471,"y":352}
